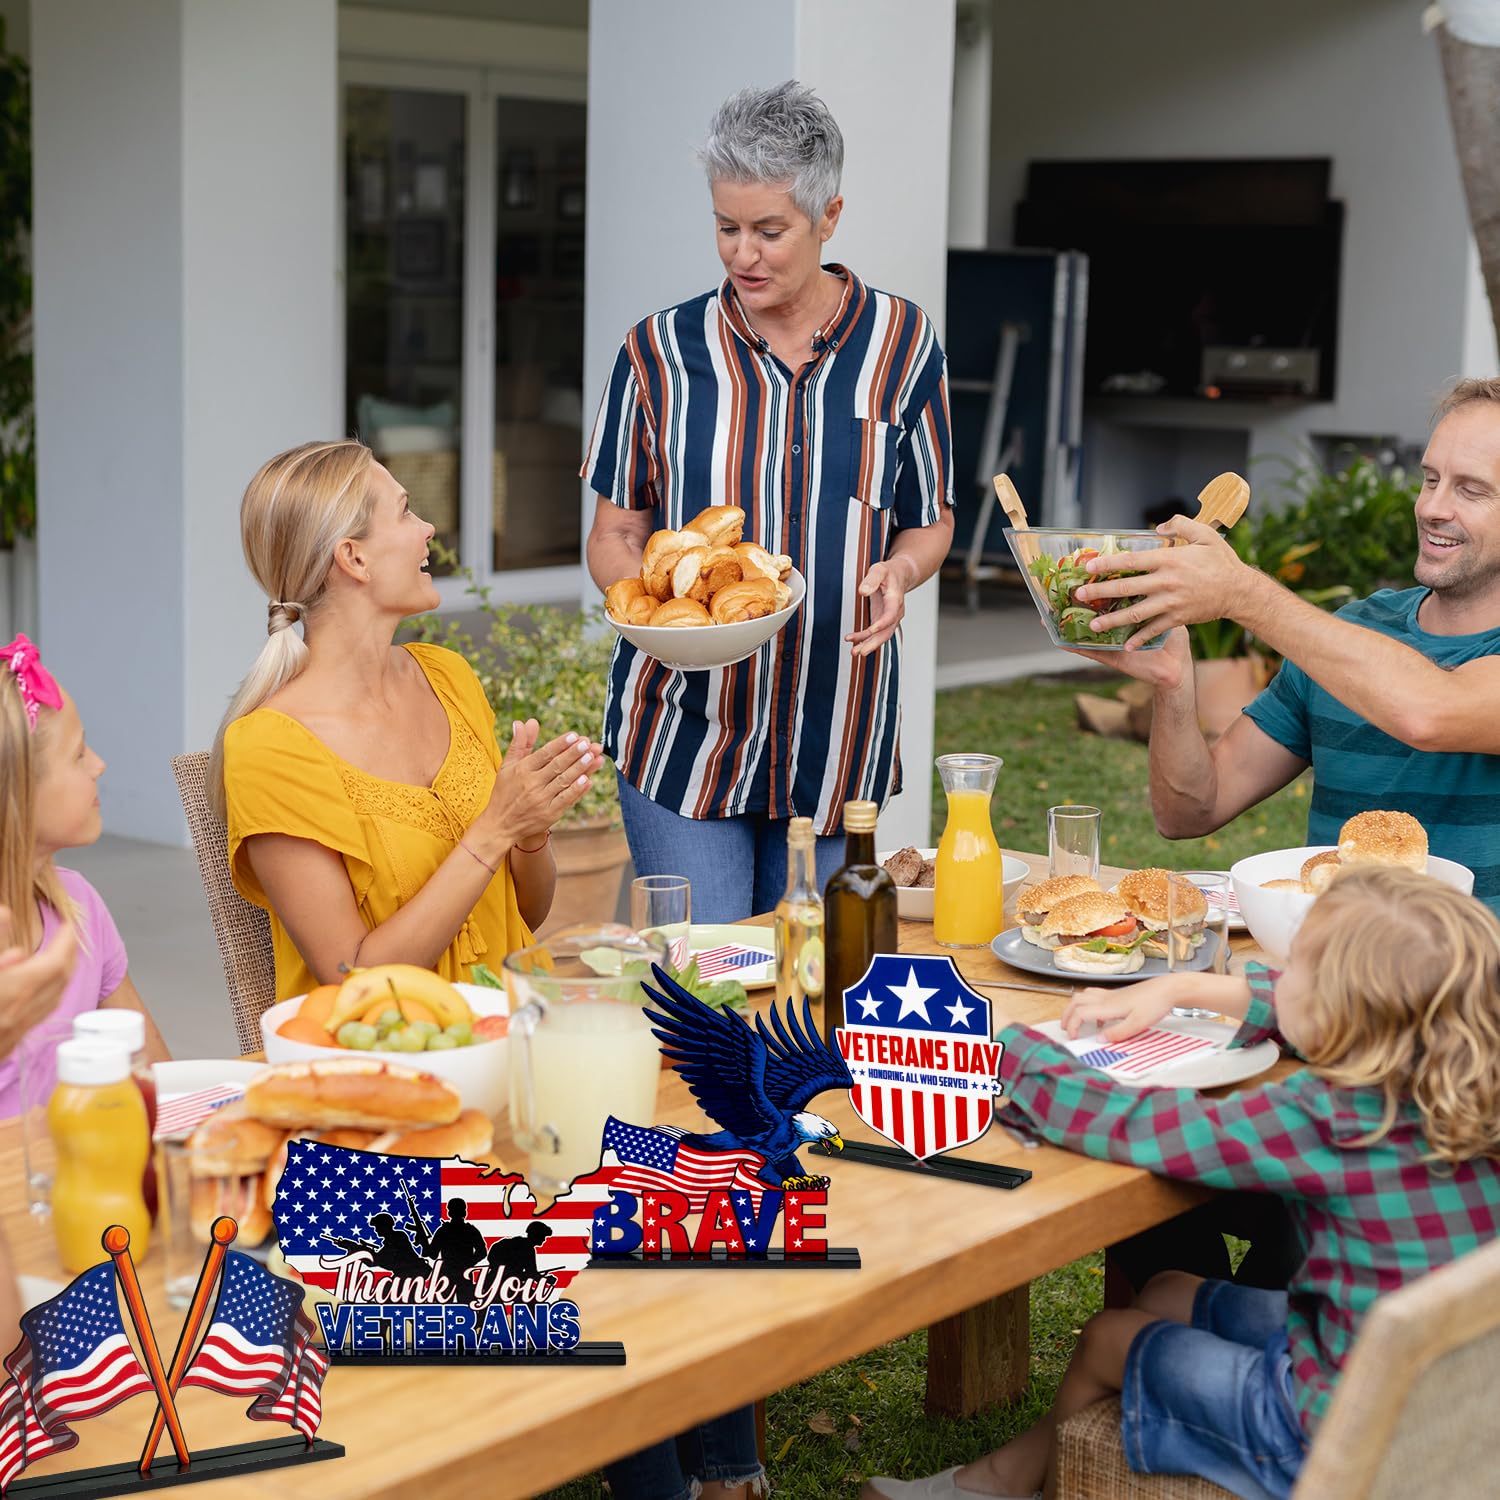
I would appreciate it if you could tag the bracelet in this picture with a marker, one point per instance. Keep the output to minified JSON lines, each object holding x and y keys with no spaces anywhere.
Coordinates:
{"x":546,"y":839}
{"x":493,"y":869}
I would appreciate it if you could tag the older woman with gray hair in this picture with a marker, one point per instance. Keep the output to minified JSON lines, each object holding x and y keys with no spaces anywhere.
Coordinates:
{"x":819,"y":406}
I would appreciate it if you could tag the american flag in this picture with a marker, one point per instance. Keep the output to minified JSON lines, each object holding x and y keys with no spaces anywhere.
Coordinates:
{"x":260,"y":1345}
{"x":334,"y":1190}
{"x":1224,"y":898}
{"x":654,"y":1160}
{"x":187,"y":1111}
{"x":713,"y":962}
{"x":1139,"y":1054}
{"x":73,"y":1361}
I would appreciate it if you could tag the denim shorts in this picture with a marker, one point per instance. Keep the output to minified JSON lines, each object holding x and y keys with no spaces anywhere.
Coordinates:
{"x":1215,"y":1399}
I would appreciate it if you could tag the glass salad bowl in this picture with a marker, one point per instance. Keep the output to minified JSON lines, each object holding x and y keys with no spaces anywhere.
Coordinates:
{"x":1051,"y":560}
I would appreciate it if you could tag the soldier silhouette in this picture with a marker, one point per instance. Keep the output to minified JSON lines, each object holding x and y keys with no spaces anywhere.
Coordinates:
{"x":516,"y":1256}
{"x":457,"y":1245}
{"x":394,"y":1252}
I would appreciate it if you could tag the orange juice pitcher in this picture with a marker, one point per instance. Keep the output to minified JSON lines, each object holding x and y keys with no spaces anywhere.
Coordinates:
{"x":968,"y":905}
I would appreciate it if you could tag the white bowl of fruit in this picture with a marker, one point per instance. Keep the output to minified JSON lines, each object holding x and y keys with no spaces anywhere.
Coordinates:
{"x":457,"y":1031}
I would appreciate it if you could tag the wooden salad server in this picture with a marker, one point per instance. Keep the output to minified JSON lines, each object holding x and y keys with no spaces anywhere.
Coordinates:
{"x":1015,"y":513}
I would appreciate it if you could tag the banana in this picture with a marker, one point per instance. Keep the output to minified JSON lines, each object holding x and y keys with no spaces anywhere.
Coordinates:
{"x":397,"y":982}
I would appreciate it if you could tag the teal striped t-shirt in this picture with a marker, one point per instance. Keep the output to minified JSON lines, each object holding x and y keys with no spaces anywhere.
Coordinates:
{"x":1357,"y":767}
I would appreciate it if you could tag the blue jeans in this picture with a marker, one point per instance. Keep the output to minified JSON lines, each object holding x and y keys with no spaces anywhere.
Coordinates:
{"x":722,"y":1449}
{"x":1215,"y":1398}
{"x":736,"y":866}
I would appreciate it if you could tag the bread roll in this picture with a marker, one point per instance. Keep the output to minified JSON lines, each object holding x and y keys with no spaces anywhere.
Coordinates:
{"x":688,"y":577}
{"x":471,"y":1134}
{"x":1327,"y":857}
{"x":1079,"y":960}
{"x":350,"y":1091}
{"x":628,"y":602}
{"x":680,"y":612}
{"x":662,"y":550}
{"x":1320,"y":877}
{"x":759,"y":563}
{"x":747,"y":600}
{"x":1282,"y":885}
{"x":231,"y":1142}
{"x":721,"y":568}
{"x":1384,"y":838}
{"x":783,"y":595}
{"x":719,"y":525}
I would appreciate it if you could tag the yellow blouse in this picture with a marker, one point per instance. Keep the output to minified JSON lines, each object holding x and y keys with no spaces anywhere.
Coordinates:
{"x":279,"y":777}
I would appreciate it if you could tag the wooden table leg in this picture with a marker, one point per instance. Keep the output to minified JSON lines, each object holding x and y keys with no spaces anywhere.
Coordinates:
{"x":981,"y":1357}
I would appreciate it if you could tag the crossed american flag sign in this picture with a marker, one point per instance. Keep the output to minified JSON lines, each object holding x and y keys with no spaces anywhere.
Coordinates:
{"x":75,"y":1361}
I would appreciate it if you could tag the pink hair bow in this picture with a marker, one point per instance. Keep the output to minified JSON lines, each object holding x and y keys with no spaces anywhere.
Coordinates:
{"x":37,"y":685}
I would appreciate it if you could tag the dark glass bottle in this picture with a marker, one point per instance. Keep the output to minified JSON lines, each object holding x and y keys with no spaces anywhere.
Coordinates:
{"x":859,"y":913}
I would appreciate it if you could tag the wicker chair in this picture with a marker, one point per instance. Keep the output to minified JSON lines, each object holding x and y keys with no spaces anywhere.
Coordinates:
{"x":1413,"y":1412}
{"x":243,"y":931}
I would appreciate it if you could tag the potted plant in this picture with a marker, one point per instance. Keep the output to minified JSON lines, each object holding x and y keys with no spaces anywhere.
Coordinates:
{"x":17,"y":417}
{"x":551,"y":665}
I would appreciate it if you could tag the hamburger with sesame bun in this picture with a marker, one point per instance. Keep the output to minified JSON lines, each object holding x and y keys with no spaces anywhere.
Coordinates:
{"x":1098,"y":923}
{"x":1145,"y":893}
{"x":1035,"y":901}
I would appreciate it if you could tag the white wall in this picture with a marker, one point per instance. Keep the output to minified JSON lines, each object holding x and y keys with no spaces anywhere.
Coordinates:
{"x":969,"y":161}
{"x":185,"y":207}
{"x":1354,"y":80}
{"x":657,"y":72}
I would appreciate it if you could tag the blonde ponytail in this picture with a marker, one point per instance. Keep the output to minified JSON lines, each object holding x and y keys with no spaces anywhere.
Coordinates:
{"x":296,"y":510}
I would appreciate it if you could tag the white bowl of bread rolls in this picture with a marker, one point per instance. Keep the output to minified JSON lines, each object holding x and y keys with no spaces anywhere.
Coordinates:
{"x":1276,"y":890}
{"x":236,"y":1155}
{"x":705,"y":597}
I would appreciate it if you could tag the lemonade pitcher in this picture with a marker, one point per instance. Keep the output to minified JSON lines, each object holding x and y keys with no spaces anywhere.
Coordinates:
{"x":968,"y":905}
{"x":581,"y":1048}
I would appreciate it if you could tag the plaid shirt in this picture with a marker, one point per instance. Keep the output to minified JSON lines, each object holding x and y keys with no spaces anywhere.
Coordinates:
{"x":1370,"y":1217}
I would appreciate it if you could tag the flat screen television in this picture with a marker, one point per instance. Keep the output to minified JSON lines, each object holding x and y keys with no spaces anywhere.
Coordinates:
{"x":1209,"y":279}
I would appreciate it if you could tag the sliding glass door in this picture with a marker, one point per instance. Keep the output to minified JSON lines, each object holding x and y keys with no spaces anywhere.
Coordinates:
{"x":463,"y":220}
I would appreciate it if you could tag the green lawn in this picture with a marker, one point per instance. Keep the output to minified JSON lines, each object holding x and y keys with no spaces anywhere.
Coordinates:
{"x":827,"y":1434}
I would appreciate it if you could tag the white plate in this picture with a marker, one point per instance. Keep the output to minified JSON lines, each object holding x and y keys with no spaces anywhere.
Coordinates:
{"x":1011,"y":948}
{"x":188,"y":1075}
{"x":1201,"y":1070}
{"x":697,"y":648}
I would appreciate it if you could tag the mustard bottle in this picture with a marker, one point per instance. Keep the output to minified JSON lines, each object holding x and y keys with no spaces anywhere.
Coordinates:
{"x":97,"y":1121}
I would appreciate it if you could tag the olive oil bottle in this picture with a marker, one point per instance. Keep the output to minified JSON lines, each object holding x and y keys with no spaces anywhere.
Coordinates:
{"x":799,"y":923}
{"x":859,"y":912}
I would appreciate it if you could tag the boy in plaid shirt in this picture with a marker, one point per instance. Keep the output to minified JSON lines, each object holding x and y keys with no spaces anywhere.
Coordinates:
{"x":1385,"y":1147}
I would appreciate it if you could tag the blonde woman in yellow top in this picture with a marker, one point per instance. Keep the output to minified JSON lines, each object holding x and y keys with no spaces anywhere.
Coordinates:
{"x":367,"y":805}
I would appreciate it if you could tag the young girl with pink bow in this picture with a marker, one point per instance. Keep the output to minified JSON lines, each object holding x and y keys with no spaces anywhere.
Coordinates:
{"x":49,"y":801}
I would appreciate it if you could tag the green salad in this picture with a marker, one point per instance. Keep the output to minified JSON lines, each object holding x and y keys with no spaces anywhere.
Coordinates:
{"x":1061,"y":577}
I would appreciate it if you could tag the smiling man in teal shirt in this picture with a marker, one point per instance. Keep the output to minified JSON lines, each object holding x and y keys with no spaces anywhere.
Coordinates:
{"x":1394,"y":701}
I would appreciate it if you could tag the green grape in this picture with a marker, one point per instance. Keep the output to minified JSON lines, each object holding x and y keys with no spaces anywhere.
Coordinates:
{"x":424,"y":1028}
{"x":385,"y":1044}
{"x":461,"y":1032}
{"x":390,"y":1018}
{"x":440,"y":1041}
{"x":357,"y":1035}
{"x":409,"y":1039}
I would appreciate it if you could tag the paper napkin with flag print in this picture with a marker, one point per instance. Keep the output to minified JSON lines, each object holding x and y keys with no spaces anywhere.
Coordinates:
{"x":259,"y":1345}
{"x":73,"y":1361}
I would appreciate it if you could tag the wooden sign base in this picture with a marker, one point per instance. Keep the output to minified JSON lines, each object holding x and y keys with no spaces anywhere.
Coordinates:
{"x":211,"y":1463}
{"x":589,"y":1352}
{"x":985,"y":1173}
{"x":837,"y":1258}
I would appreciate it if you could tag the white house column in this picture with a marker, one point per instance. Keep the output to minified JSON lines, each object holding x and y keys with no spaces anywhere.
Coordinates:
{"x":657,"y":71}
{"x":185,"y":217}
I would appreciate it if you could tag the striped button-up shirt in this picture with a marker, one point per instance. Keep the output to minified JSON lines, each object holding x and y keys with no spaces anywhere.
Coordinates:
{"x":1370,"y":1215}
{"x":828,"y":463}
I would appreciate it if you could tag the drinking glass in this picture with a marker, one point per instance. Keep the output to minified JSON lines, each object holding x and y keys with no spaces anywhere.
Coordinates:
{"x":581,"y":1048}
{"x":1073,"y":841}
{"x":182,"y":1253}
{"x":1188,"y":892}
{"x":36,"y":1077}
{"x":662,"y":905}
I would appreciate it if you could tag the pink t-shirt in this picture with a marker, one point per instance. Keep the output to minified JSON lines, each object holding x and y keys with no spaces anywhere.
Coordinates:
{"x":97,"y":974}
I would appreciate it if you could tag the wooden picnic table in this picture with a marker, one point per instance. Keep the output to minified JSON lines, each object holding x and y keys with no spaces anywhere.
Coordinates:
{"x":935,"y":1253}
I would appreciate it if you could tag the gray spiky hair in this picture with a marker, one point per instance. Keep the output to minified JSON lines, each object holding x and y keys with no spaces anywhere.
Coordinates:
{"x":783,"y":136}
